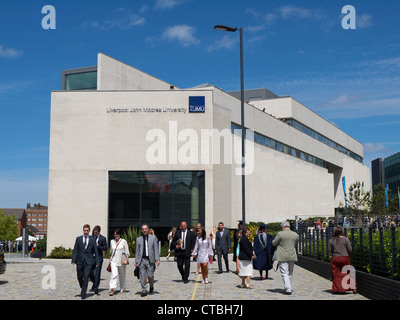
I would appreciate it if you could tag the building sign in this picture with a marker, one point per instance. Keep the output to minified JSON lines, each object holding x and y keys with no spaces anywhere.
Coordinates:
{"x":197,"y":104}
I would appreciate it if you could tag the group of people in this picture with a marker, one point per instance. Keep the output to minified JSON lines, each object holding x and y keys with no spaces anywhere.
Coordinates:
{"x":268,"y":252}
{"x":88,"y":255}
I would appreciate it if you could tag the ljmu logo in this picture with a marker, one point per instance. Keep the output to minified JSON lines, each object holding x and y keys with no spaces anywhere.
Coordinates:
{"x":197,"y":104}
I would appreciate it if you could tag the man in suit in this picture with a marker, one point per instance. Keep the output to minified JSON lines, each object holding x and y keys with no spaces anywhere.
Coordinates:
{"x":183,"y":249}
{"x":84,"y":256}
{"x":147,"y":254}
{"x":223,"y":246}
{"x":285,"y":253}
{"x":101,"y":243}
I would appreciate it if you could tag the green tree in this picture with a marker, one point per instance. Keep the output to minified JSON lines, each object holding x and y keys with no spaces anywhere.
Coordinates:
{"x":8,"y":227}
{"x":378,"y":204}
{"x":358,"y":200}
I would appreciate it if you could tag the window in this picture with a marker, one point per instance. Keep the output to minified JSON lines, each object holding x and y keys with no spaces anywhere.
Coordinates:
{"x":270,"y":143}
{"x":160,"y":198}
{"x":81,"y":81}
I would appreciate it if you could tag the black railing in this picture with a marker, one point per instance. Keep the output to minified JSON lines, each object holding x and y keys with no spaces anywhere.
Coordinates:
{"x":375,"y":250}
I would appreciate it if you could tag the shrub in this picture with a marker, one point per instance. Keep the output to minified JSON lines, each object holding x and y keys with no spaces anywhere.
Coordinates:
{"x":41,"y":246}
{"x":130,"y":236}
{"x":61,"y":253}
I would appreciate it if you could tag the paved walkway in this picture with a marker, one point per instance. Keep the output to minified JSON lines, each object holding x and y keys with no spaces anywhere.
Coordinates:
{"x":30,"y":279}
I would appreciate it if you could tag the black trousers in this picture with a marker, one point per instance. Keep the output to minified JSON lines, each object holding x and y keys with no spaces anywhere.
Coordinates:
{"x":95,"y":275}
{"x":83,"y":274}
{"x":222,"y":253}
{"x":183,"y":266}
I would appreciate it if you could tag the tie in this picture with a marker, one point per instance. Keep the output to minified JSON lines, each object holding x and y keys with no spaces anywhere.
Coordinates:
{"x":86,"y":242}
{"x":183,"y":239}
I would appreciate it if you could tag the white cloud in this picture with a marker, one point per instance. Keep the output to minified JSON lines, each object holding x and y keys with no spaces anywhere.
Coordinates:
{"x":168,"y":4}
{"x":364,"y":21}
{"x":344,"y":98}
{"x":184,"y":34}
{"x":270,"y":18}
{"x":9,"y":52}
{"x":290,"y":11}
{"x":125,"y":20}
{"x":226,"y":42}
{"x":374,"y":147}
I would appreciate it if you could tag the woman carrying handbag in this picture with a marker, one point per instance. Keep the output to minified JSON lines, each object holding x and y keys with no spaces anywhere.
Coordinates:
{"x":119,"y":255}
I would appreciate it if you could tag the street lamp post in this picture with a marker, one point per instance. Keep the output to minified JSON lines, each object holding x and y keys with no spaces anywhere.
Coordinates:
{"x":233,"y":29}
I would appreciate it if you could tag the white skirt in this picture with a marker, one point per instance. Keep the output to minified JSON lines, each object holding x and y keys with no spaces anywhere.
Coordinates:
{"x":245,"y":268}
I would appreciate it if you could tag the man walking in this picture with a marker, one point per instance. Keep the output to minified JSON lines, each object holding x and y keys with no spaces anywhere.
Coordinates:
{"x":223,"y":246}
{"x":146,"y":256}
{"x":101,"y":244}
{"x":285,"y":243}
{"x":183,"y":243}
{"x":85,"y":256}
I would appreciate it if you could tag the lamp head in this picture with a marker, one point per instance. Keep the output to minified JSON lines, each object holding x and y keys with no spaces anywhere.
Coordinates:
{"x":225,"y":28}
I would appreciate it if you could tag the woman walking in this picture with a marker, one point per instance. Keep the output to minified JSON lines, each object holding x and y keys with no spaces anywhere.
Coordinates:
{"x":171,"y":235}
{"x":246,"y":256}
{"x":197,"y":234}
{"x":203,"y":252}
{"x":119,"y":254}
{"x":340,"y":248}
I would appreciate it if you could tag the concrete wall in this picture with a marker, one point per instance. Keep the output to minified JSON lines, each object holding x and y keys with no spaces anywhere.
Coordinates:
{"x":115,"y":75}
{"x":86,"y":142}
{"x":287,"y":107}
{"x":88,"y":139}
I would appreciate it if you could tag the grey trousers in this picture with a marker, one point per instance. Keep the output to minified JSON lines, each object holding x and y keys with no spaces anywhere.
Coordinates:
{"x":286,"y":269}
{"x":146,"y":269}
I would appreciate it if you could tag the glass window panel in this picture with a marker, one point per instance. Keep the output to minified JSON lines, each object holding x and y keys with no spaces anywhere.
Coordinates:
{"x":189,"y":197}
{"x":81,"y":81}
{"x":124,"y":196}
{"x":156,"y":197}
{"x":160,"y":198}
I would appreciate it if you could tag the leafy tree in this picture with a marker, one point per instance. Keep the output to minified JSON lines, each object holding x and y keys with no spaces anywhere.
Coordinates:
{"x":358,"y":201}
{"x":8,"y":227}
{"x":378,"y":204}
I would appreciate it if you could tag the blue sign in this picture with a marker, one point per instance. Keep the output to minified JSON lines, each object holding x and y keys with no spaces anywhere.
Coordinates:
{"x":197,"y":104}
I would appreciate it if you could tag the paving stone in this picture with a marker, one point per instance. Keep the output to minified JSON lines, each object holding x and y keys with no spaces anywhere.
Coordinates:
{"x":27,"y":280}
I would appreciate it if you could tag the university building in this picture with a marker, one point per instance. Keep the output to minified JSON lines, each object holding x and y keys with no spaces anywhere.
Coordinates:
{"x":127,"y":148}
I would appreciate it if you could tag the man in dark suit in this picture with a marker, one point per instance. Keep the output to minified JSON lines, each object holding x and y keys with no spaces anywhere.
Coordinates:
{"x":223,"y":246}
{"x":183,"y":249}
{"x":101,"y":243}
{"x":84,"y":256}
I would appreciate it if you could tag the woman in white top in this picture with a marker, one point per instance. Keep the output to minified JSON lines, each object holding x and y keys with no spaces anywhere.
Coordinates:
{"x":119,"y":254}
{"x":203,"y":252}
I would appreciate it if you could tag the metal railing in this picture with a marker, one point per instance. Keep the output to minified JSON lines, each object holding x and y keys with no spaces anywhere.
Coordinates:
{"x":375,"y":250}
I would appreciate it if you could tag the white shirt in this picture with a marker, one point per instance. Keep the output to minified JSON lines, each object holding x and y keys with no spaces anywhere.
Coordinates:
{"x":184,"y":239}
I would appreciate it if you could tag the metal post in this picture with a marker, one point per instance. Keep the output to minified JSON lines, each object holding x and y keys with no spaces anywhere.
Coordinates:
{"x":24,"y":236}
{"x":243,"y":129}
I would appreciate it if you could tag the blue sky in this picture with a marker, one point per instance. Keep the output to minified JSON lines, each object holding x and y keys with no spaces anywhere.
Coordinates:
{"x":295,"y":48}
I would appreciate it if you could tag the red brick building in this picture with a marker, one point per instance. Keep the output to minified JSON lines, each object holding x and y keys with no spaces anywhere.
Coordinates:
{"x":37,"y":219}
